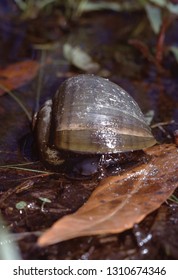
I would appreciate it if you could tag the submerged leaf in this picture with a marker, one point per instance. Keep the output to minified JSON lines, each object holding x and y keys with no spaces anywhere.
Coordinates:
{"x":174,"y":50}
{"x":17,"y":74}
{"x":154,"y":16}
{"x":121,"y":201}
{"x":79,"y":58}
{"x":171,"y":7}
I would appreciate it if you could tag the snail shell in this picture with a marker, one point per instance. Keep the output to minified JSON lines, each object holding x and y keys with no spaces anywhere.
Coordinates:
{"x":94,"y":115}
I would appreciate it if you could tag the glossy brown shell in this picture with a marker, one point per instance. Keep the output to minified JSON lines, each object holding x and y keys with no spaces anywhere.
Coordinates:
{"x":93,"y":115}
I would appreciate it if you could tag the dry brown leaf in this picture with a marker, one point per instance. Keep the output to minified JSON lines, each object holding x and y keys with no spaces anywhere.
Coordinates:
{"x":121,"y":201}
{"x":17,"y":74}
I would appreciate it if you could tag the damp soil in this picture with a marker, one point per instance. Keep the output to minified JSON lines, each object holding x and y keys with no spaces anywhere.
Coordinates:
{"x":48,"y":196}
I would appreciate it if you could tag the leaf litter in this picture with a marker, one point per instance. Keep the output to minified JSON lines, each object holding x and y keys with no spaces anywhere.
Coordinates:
{"x":121,"y":201}
{"x":17,"y":74}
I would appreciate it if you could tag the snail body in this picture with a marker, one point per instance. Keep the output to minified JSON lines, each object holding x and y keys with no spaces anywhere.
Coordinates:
{"x":90,"y":115}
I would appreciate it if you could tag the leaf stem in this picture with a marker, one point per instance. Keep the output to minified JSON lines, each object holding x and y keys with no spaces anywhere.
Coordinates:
{"x":19,"y":102}
{"x":40,"y":78}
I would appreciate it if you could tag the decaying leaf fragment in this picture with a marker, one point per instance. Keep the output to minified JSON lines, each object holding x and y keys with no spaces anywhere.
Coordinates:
{"x":79,"y":58}
{"x":121,"y":201}
{"x":17,"y":74}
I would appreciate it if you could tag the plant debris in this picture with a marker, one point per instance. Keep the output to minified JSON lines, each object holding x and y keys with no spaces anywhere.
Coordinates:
{"x":121,"y":201}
